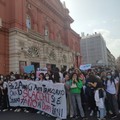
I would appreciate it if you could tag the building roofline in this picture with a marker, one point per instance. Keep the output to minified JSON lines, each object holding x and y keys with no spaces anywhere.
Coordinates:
{"x":91,"y":35}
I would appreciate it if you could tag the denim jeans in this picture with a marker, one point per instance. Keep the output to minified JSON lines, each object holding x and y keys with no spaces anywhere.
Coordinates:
{"x":112,"y":103}
{"x":77,"y":98}
{"x":69,"y":105}
{"x":102,"y":112}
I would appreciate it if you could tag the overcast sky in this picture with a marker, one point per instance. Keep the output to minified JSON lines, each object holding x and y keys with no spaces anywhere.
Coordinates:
{"x":97,"y":16}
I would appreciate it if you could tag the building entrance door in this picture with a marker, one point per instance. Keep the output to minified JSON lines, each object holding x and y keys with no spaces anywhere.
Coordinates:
{"x":36,"y":65}
{"x":53,"y":66}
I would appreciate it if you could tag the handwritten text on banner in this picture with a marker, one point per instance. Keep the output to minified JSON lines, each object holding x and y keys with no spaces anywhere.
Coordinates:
{"x":43,"y":96}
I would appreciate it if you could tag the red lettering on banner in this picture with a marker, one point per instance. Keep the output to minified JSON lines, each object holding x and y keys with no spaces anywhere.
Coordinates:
{"x":33,"y":98}
{"x":25,"y":93}
{"x":37,"y":96}
{"x":44,"y":97}
{"x":46,"y":107}
{"x":32,"y":103}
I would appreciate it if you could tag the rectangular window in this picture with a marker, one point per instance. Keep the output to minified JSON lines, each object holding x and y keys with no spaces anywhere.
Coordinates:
{"x":28,"y":22}
{"x":36,"y":65}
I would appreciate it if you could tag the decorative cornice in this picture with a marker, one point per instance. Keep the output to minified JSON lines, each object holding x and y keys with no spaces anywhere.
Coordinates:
{"x":63,"y":15}
{"x":52,"y":8}
{"x":36,"y":36}
{"x":39,"y":38}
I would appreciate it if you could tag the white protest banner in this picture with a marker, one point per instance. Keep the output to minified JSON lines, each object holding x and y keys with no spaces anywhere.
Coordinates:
{"x":44,"y":96}
{"x":85,"y":67}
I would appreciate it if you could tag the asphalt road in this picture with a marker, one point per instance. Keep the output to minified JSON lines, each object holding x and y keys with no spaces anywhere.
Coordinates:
{"x":10,"y":115}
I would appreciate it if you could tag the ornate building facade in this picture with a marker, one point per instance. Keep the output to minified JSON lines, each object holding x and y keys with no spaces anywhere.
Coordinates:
{"x":37,"y":32}
{"x":118,"y":64}
{"x":4,"y":40}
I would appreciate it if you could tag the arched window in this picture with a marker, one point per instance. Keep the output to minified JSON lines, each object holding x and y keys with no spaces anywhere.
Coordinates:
{"x":28,"y":22}
{"x":46,"y":31}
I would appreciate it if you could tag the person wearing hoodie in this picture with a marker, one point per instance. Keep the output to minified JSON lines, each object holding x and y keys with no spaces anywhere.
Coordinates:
{"x":75,"y":90}
{"x":100,"y":101}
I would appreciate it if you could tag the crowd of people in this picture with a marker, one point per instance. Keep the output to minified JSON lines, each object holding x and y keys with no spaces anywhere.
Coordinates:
{"x":94,"y":91}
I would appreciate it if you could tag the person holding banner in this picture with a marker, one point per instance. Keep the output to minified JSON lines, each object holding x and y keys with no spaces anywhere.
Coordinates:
{"x":68,"y":95}
{"x":50,"y":72}
{"x":12,"y":78}
{"x":32,"y":76}
{"x":47,"y":78}
{"x":41,"y":79}
{"x":5,"y":95}
{"x":56,"y":76}
{"x":75,"y":90}
{"x":26,"y":109}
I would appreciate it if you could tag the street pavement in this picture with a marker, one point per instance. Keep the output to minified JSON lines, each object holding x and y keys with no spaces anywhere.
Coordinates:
{"x":10,"y":115}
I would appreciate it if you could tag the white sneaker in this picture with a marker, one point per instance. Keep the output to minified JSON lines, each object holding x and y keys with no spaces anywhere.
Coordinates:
{"x":38,"y":112}
{"x":26,"y":111}
{"x":119,"y":111}
{"x":15,"y":110}
{"x":91,"y":113}
{"x":18,"y":110}
{"x":42,"y":113}
{"x":11,"y":109}
{"x":71,"y":116}
{"x":110,"y":112}
{"x":47,"y":115}
{"x":5,"y":110}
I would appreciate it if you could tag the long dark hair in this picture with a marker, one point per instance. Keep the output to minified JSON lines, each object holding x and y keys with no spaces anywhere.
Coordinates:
{"x":112,"y":78}
{"x":76,"y":75}
{"x":91,"y":76}
{"x":42,"y":75}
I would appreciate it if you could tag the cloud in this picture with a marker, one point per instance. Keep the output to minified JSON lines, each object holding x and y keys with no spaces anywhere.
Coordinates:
{"x":104,"y":21}
{"x":104,"y":33}
{"x":115,"y":20}
{"x":92,"y":23}
{"x":114,"y":47}
{"x":112,"y":44}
